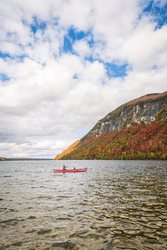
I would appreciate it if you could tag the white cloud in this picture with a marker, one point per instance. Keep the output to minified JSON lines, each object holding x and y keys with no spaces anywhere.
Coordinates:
{"x":145,"y":48}
{"x":160,"y":3}
{"x":82,"y":48}
{"x":52,"y":97}
{"x":78,"y":13}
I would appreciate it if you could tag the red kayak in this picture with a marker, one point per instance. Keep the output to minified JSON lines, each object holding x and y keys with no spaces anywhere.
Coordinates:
{"x":70,"y":170}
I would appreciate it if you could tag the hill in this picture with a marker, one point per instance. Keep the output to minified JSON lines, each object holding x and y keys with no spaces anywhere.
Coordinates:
{"x":67,"y":151}
{"x":2,"y":159}
{"x":135,"y":130}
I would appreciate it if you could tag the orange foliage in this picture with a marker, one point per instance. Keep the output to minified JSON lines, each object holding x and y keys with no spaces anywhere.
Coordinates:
{"x":67,"y":151}
{"x":140,"y":141}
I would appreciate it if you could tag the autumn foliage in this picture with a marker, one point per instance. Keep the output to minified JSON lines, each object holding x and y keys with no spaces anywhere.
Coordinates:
{"x":67,"y":151}
{"x":146,"y":98}
{"x":140,"y":141}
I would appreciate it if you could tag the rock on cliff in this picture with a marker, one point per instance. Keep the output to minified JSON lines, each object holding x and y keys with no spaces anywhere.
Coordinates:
{"x":145,"y":109}
{"x":135,"y":130}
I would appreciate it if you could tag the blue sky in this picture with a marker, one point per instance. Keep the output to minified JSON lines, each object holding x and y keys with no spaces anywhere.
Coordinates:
{"x":65,"y":64}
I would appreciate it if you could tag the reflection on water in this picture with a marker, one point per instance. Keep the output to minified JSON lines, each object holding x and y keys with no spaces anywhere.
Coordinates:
{"x":114,"y":205}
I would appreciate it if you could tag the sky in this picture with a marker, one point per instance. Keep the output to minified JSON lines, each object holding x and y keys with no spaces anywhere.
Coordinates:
{"x":65,"y":64}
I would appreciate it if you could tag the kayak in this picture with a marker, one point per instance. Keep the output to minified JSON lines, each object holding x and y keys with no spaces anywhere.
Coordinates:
{"x":69,"y":171}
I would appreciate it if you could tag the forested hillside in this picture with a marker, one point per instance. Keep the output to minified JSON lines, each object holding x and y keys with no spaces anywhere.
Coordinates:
{"x":67,"y":151}
{"x":135,"y":130}
{"x":139,"y":141}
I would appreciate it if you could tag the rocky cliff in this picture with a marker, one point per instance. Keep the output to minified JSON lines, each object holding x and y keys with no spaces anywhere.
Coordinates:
{"x":145,"y":109}
{"x":135,"y":130}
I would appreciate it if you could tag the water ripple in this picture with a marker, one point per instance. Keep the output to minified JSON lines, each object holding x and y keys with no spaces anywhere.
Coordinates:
{"x":114,"y":205}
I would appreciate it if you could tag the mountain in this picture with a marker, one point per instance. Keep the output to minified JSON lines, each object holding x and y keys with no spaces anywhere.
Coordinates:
{"x":67,"y":151}
{"x":2,"y":159}
{"x":135,"y":130}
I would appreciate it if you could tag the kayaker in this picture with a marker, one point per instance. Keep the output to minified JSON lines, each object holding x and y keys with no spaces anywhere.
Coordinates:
{"x":74,"y":168}
{"x":64,"y":167}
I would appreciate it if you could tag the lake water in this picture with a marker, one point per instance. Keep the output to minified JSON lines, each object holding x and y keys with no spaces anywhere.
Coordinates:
{"x":114,"y":205}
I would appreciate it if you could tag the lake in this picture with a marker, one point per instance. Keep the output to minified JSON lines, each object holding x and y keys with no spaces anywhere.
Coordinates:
{"x":114,"y":205}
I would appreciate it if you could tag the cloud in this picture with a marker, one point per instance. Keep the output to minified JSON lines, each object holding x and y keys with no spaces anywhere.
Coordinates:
{"x":78,"y":13}
{"x":82,"y":48}
{"x":52,"y":92}
{"x":145,"y":48}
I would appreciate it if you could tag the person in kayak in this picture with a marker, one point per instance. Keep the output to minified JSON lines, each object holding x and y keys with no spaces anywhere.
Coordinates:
{"x":64,"y":167}
{"x":74,"y":168}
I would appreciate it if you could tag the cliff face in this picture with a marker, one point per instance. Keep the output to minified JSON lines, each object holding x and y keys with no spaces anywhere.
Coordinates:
{"x":135,"y":130}
{"x":144,"y":109}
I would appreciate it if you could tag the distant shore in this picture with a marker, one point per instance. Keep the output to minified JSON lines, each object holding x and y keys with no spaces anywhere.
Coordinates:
{"x":24,"y":159}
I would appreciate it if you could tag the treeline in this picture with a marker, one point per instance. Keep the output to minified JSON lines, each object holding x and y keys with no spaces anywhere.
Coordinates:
{"x":140,"y":141}
{"x":23,"y":159}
